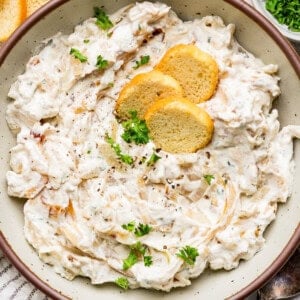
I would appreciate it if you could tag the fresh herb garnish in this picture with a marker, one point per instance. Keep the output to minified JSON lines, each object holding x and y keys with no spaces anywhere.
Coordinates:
{"x":143,"y":61}
{"x":208,"y":178}
{"x":101,"y":63}
{"x":137,"y":252}
{"x":148,"y":260}
{"x":78,"y":55}
{"x":153,"y":159}
{"x":131,"y":260}
{"x":188,"y":254}
{"x":86,"y":41}
{"x":130,"y":226}
{"x":122,"y":282}
{"x":142,"y":230}
{"x":103,"y":20}
{"x":135,"y":130}
{"x":127,"y":159}
{"x":285,"y":12}
{"x":138,"y":248}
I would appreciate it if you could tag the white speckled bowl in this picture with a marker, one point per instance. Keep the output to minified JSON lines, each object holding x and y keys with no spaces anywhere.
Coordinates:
{"x":257,"y":35}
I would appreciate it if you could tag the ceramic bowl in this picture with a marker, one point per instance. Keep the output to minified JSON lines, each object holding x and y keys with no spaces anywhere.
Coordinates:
{"x":257,"y":35}
{"x":260,"y":6}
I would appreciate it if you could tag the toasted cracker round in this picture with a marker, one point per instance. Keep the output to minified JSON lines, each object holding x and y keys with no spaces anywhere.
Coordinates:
{"x":179,"y":126}
{"x":143,"y":90}
{"x":12,"y":14}
{"x":195,"y":70}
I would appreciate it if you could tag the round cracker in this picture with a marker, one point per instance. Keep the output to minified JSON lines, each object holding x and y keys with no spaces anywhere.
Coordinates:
{"x":195,"y":70}
{"x":179,"y":126}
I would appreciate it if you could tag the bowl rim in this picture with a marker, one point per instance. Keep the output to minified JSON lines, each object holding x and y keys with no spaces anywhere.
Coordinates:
{"x":294,"y":59}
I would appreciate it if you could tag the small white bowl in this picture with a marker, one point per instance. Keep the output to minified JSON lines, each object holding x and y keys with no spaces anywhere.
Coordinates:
{"x":260,"y":6}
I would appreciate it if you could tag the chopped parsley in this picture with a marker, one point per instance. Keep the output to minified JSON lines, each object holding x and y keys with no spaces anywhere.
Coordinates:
{"x":127,"y":159}
{"x":153,"y":159}
{"x":148,"y":260}
{"x":101,"y":63}
{"x":143,"y":61}
{"x":138,"y":248}
{"x":130,"y":226}
{"x":135,"y":130}
{"x":188,"y":254}
{"x":86,"y":41}
{"x":103,"y":20}
{"x":208,"y":178}
{"x":131,"y":260}
{"x":285,"y":12}
{"x":142,"y":230}
{"x":137,"y":253}
{"x":122,"y":282}
{"x":78,"y":55}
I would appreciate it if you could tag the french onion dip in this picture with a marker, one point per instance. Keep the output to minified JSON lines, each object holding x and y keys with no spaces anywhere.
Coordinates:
{"x":152,"y":225}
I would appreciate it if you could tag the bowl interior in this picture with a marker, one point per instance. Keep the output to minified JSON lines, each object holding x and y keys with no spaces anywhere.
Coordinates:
{"x":210,"y":285}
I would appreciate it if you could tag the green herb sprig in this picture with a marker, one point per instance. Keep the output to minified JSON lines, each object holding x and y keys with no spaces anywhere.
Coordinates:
{"x":153,"y":159}
{"x":127,"y":159}
{"x":78,"y":55}
{"x":122,"y":282}
{"x":131,"y":260}
{"x":143,"y":61}
{"x":101,"y":63}
{"x":140,"y":230}
{"x":130,"y":226}
{"x":148,"y":260}
{"x":135,"y":130}
{"x":137,"y":252}
{"x":103,"y":20}
{"x":285,"y":12}
{"x":188,"y":254}
{"x":208,"y":178}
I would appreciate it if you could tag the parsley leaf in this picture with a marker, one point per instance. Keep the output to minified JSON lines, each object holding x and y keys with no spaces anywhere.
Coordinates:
{"x":138,"y":248}
{"x":122,"y":282}
{"x":86,"y":41}
{"x":135,"y":130}
{"x":130,"y":226}
{"x":137,"y":252}
{"x":101,"y":63}
{"x":127,"y":159}
{"x":131,"y":260}
{"x":143,"y":61}
{"x":208,"y":178}
{"x":78,"y":55}
{"x":142,"y":230}
{"x":153,"y":159}
{"x":148,"y":260}
{"x":188,"y":254}
{"x":103,"y":20}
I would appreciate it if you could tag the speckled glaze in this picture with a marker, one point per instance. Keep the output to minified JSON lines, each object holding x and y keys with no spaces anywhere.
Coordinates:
{"x":257,"y":36}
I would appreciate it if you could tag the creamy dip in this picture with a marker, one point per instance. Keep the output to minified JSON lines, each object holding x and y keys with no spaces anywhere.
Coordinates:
{"x":79,"y":194}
